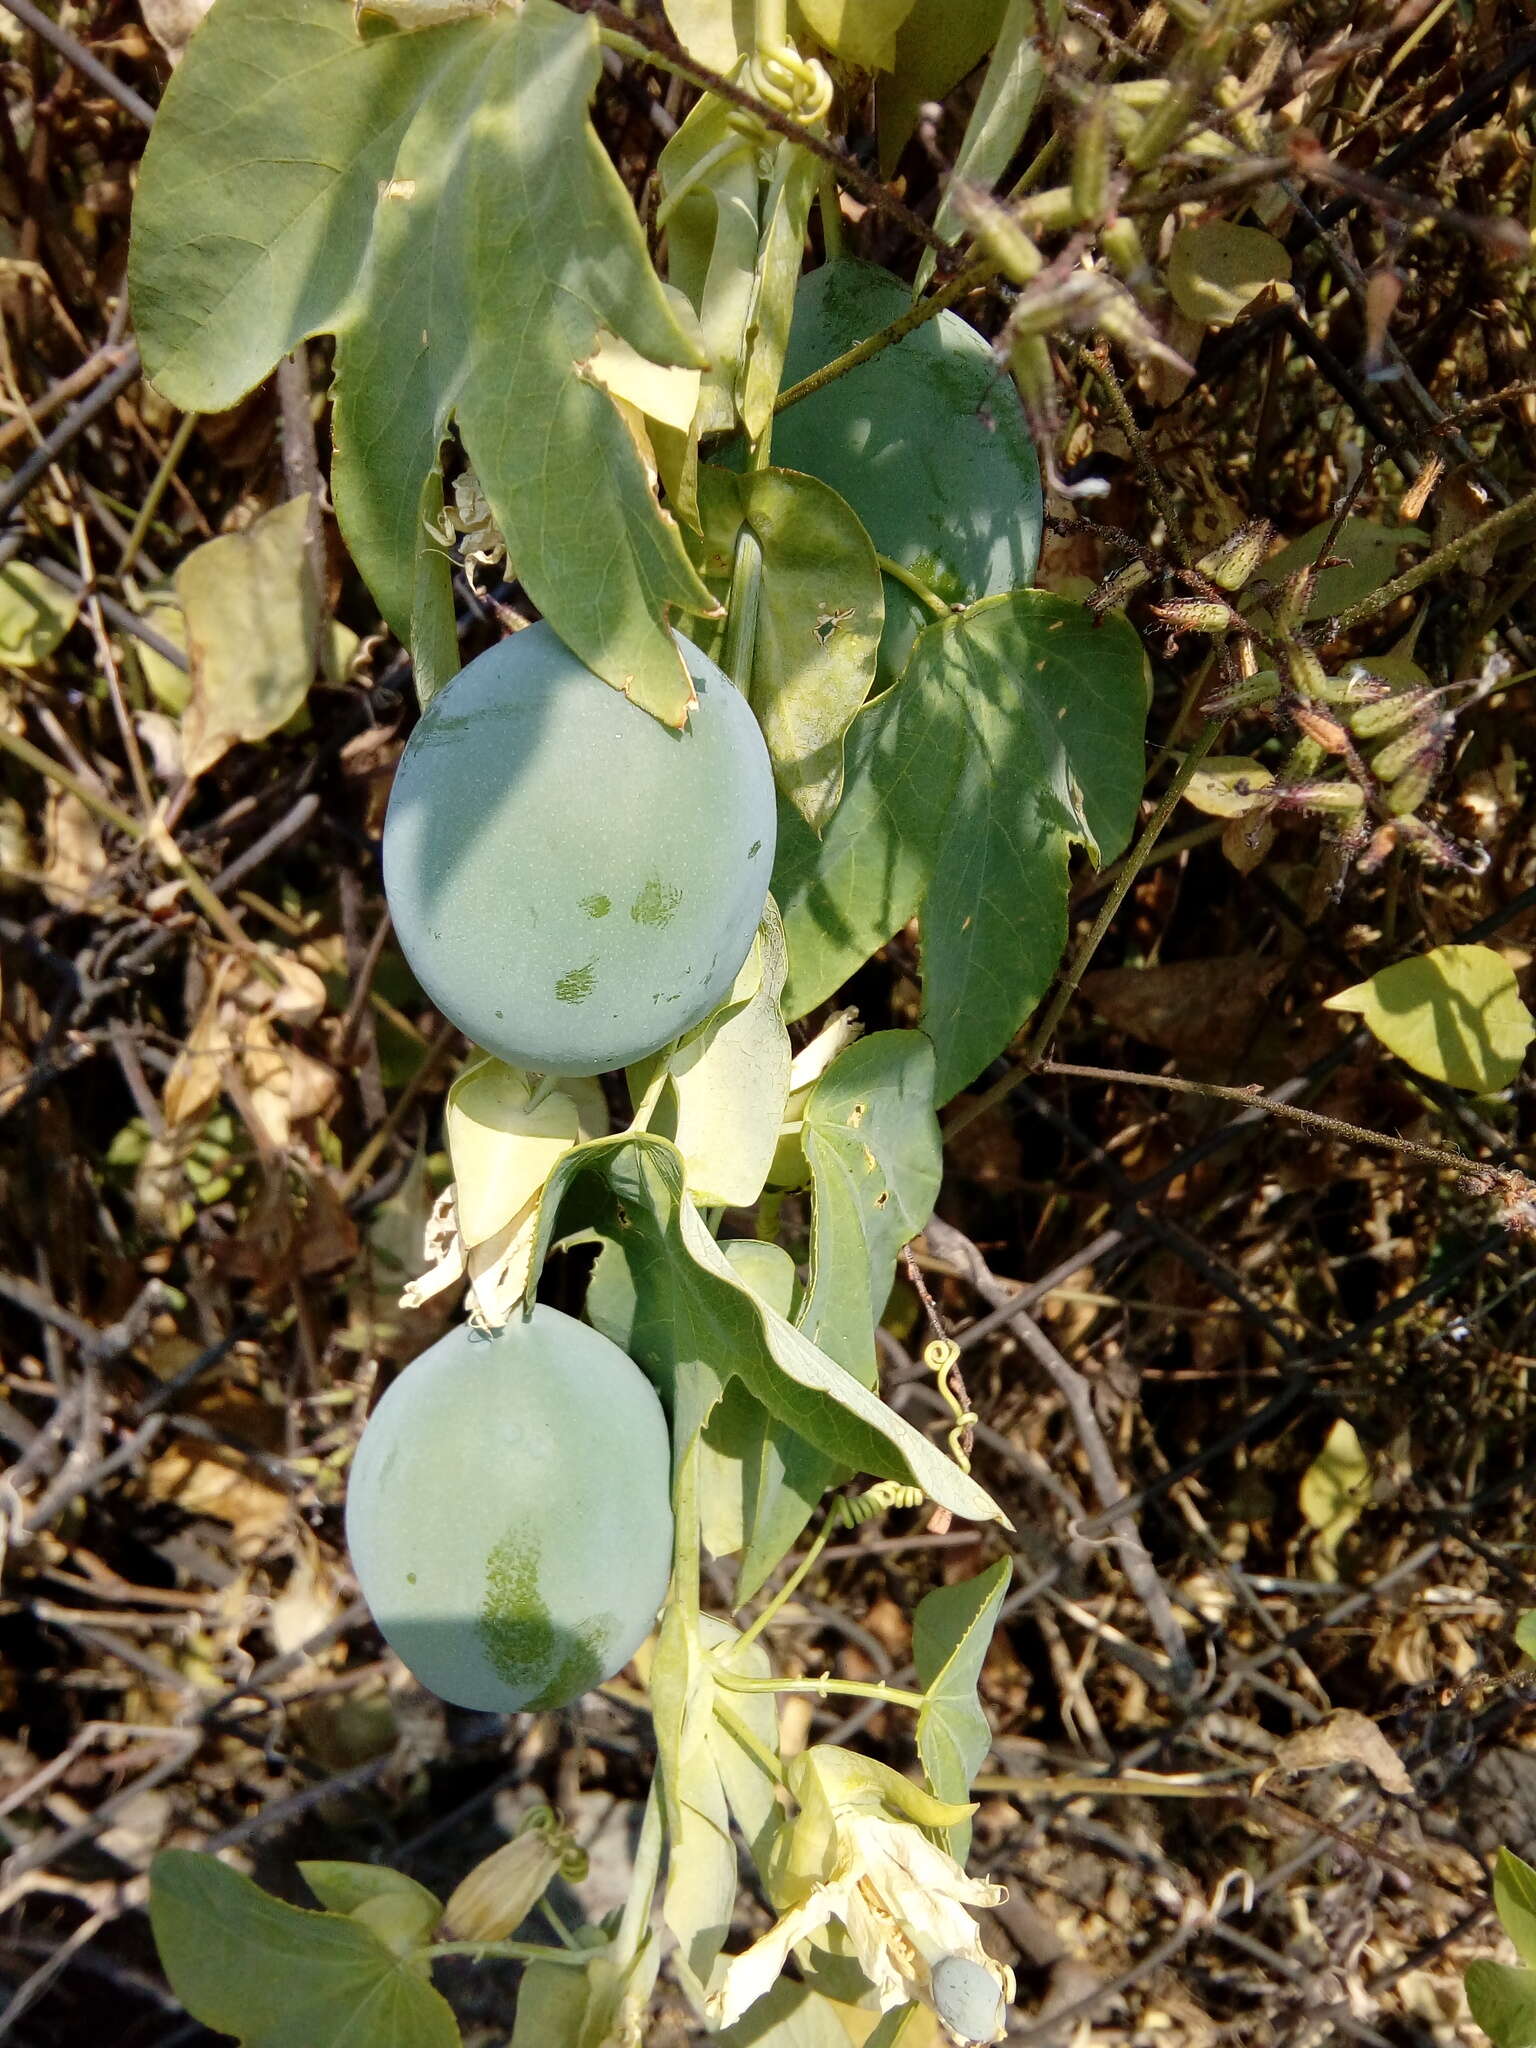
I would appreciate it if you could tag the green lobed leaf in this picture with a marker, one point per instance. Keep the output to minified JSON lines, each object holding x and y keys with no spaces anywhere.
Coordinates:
{"x":1049,"y":710}
{"x":693,"y":1312}
{"x":732,"y":1451}
{"x":1453,"y":1013}
{"x":821,"y":610}
{"x":1503,"y":2002}
{"x":552,"y":2002}
{"x":399,"y":190}
{"x":278,"y":1976}
{"x":1015,"y":731}
{"x":951,"y":1632}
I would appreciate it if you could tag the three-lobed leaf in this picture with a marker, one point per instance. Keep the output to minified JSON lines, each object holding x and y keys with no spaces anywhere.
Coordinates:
{"x":401,"y":190}
{"x":951,"y":1632}
{"x":278,"y":1976}
{"x":1014,"y":733}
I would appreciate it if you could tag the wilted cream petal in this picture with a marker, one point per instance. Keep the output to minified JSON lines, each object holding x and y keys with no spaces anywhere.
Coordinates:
{"x":444,"y":1247}
{"x":758,"y":1968}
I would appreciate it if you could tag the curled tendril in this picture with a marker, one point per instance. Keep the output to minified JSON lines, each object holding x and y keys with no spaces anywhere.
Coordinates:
{"x":874,"y":1500}
{"x":940,"y":1357}
{"x":789,"y":83}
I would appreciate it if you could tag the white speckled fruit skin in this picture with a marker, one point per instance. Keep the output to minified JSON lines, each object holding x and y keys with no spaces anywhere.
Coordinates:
{"x":572,"y":883}
{"x":509,"y":1513}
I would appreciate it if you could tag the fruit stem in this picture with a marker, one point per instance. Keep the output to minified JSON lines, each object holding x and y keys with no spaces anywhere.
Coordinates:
{"x":634,"y":1925}
{"x":915,"y":584}
{"x":745,"y":600}
{"x":515,"y":1951}
{"x":890,"y":1695}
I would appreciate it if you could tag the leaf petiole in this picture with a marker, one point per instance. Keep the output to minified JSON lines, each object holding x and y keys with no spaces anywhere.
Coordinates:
{"x":857,"y":1688}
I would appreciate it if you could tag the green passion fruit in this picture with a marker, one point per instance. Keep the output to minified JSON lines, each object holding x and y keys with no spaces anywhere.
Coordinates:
{"x":509,"y":1513}
{"x":573,"y":883}
{"x":926,"y":441}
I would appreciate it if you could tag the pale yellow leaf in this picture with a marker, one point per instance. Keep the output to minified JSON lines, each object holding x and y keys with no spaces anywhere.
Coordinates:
{"x":1453,"y":1013}
{"x":505,"y":1130}
{"x":662,"y":391}
{"x":35,"y":614}
{"x":1345,"y":1737}
{"x":252,"y":621}
{"x":861,"y":32}
{"x":1228,"y":785}
{"x":1335,"y":1489}
{"x":1217,"y":269}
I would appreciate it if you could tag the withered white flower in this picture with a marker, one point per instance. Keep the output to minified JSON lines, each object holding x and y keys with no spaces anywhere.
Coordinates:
{"x":901,"y":1899}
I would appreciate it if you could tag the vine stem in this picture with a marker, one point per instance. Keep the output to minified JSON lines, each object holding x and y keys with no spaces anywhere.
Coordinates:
{"x":634,"y":1923}
{"x":759,"y":1752}
{"x":975,"y":274}
{"x":790,"y":1586}
{"x":516,"y":1951}
{"x":856,"y":1688}
{"x":1067,"y":987}
{"x":1288,"y":1112}
{"x":1512,"y":516}
{"x":919,"y":589}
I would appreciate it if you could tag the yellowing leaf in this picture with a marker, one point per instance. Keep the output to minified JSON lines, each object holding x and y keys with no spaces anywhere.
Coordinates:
{"x":35,"y":614}
{"x":505,"y":1131}
{"x":859,"y":31}
{"x":1215,"y":271}
{"x":668,"y":392}
{"x":1334,"y":1490}
{"x":253,"y":620}
{"x":1228,"y":785}
{"x":1454,"y":1014}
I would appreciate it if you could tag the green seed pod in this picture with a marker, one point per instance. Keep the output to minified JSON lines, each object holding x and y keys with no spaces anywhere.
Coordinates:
{"x":1387,"y":715}
{"x":1239,"y":557}
{"x":1306,"y":674}
{"x":1413,"y":785}
{"x":1090,"y":163}
{"x":1398,"y":754}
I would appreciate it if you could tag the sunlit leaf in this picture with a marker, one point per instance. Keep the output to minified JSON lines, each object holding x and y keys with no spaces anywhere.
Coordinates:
{"x":430,"y":198}
{"x":1228,"y":785}
{"x":1453,"y":1013}
{"x":730,"y":1078}
{"x":937,"y":44}
{"x":716,"y":32}
{"x":35,"y":614}
{"x":1334,"y":1491}
{"x":821,"y":610}
{"x":861,"y":32}
{"x":1216,"y":269}
{"x":1368,"y":558}
{"x":951,"y":1633}
{"x":1503,"y":2002}
{"x":277,"y":1976}
{"x":252,"y":617}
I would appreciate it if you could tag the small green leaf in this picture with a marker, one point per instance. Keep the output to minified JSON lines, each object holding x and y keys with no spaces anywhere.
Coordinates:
{"x":730,"y":1078}
{"x":1004,"y":108}
{"x":1514,"y":1898}
{"x":786,"y":209}
{"x":1369,"y":558}
{"x":1454,"y":1014}
{"x":35,"y":614}
{"x":1228,"y":785}
{"x":1334,"y":1491}
{"x":937,"y":44}
{"x":1525,"y":1632}
{"x":861,"y":32}
{"x":716,"y":32}
{"x":1216,"y":269}
{"x":820,"y":616}
{"x":733,"y":1503}
{"x":343,"y":1887}
{"x":252,"y":623}
{"x":951,"y":1632}
{"x":1503,"y":2002}
{"x":277,"y":1976}
{"x":552,"y":2001}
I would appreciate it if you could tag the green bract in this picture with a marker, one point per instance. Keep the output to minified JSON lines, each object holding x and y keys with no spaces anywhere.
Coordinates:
{"x":508,"y":1513}
{"x":573,"y":883}
{"x":926,"y":441}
